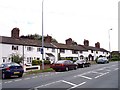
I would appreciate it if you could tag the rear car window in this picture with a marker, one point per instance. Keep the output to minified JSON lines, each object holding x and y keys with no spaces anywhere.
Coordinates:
{"x":11,"y":64}
{"x":60,"y":62}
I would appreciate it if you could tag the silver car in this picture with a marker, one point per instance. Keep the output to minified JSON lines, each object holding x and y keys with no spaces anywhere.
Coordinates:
{"x":102,"y":60}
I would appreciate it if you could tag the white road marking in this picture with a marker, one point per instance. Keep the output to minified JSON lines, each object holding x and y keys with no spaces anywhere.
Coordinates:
{"x":76,"y":86}
{"x":5,"y":82}
{"x":82,"y":74}
{"x":26,"y":78}
{"x":9,"y":81}
{"x":116,"y":69}
{"x":108,"y":70}
{"x":101,"y":75}
{"x":68,"y":82}
{"x":96,"y":72}
{"x":48,"y":84}
{"x":85,"y":77}
{"x":17,"y":80}
{"x":113,"y":65}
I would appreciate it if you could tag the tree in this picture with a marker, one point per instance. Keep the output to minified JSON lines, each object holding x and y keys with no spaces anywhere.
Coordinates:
{"x":36,"y":37}
{"x":16,"y":59}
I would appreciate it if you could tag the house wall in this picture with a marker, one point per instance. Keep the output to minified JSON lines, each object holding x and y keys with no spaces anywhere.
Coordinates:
{"x":0,"y":53}
{"x":49,"y":50}
{"x":68,"y":53}
{"x":6,"y":52}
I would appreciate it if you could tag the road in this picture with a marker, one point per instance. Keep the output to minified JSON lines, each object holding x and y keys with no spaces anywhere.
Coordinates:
{"x":97,"y":76}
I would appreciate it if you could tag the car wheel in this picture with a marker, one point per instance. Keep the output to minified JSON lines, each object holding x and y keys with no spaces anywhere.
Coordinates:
{"x":89,"y":65}
{"x":20,"y":75}
{"x":83,"y":65}
{"x":3,"y":76}
{"x":67,"y":69}
{"x":76,"y":67}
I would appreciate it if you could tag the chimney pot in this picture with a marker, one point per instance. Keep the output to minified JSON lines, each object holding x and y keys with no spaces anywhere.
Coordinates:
{"x":15,"y":33}
{"x":69,"y":41}
{"x":86,"y":42}
{"x":48,"y":39}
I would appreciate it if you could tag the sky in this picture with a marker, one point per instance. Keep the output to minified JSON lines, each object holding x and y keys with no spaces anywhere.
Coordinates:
{"x":63,"y":19}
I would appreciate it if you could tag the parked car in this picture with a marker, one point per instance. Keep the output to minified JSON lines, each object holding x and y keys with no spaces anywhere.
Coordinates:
{"x":11,"y":69}
{"x":63,"y":65}
{"x":82,"y":63}
{"x":102,"y":60}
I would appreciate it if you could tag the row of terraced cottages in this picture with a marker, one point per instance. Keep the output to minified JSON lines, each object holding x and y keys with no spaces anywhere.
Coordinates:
{"x":31,"y":49}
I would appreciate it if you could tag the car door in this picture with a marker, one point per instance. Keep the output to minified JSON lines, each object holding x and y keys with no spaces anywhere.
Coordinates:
{"x":71,"y":65}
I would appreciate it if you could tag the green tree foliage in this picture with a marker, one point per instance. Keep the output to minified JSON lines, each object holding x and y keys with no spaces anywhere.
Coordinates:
{"x":36,"y":62}
{"x":16,"y":59}
{"x":36,"y":37}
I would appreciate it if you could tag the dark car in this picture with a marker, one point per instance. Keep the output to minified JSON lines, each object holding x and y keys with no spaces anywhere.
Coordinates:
{"x":82,"y":63}
{"x":102,"y":60}
{"x":63,"y":65}
{"x":11,"y":69}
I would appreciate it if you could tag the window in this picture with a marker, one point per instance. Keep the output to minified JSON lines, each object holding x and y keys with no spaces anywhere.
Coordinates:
{"x":74,"y":52}
{"x":38,"y":49}
{"x":38,"y":58}
{"x":62,"y":50}
{"x":14,"y":47}
{"x":107,"y":52}
{"x":29,"y":48}
{"x":80,"y":51}
{"x":3,"y":60}
{"x":91,"y":51}
{"x":29,"y":59}
{"x":97,"y":52}
{"x":53,"y":50}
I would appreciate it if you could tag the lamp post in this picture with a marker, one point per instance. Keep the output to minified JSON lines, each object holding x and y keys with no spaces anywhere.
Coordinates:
{"x":42,"y":50}
{"x":109,"y":42}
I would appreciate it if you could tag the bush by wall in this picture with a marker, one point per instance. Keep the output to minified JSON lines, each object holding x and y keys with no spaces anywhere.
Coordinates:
{"x":47,"y":62}
{"x":36,"y":62}
{"x":115,"y":58}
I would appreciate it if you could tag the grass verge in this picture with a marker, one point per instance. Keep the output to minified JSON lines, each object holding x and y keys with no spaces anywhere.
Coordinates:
{"x":39,"y":71}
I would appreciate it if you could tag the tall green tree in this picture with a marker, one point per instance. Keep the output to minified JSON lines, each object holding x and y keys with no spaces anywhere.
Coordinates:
{"x":17,"y":59}
{"x":36,"y":37}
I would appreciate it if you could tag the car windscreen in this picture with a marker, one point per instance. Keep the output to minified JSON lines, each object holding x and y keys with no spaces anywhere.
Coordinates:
{"x":11,"y":64}
{"x":1,"y":65}
{"x":60,"y":62}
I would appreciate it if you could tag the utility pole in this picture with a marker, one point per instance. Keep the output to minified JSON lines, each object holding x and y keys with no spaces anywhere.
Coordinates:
{"x":42,"y":50}
{"x":109,"y":42}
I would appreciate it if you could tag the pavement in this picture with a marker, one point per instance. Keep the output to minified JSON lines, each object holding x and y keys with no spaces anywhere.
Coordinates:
{"x":98,"y":76}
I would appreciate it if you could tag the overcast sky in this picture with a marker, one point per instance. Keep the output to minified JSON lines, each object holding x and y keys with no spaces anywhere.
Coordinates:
{"x":63,"y":19}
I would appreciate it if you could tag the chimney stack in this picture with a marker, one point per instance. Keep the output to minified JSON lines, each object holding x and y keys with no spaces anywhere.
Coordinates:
{"x":86,"y":42}
{"x":15,"y":33}
{"x":48,"y":39}
{"x":69,"y":41}
{"x":97,"y":45}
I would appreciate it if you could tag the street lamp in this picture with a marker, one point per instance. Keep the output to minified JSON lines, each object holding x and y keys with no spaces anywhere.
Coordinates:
{"x":42,"y":50}
{"x":109,"y":42}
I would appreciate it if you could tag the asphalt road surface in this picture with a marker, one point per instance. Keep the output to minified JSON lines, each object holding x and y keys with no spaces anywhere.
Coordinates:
{"x":98,"y":76}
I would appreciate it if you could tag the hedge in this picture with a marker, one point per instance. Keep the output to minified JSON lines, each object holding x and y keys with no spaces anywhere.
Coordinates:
{"x":39,"y":62}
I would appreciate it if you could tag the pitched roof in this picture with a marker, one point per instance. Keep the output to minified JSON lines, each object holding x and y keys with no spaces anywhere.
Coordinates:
{"x":50,"y":54}
{"x":21,"y":41}
{"x":94,"y":48}
{"x":70,"y":47}
{"x":30,"y":42}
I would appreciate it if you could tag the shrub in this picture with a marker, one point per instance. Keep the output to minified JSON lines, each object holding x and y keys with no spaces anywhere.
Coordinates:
{"x":46,"y":62}
{"x":115,"y":58}
{"x":16,"y":59}
{"x":36,"y":62}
